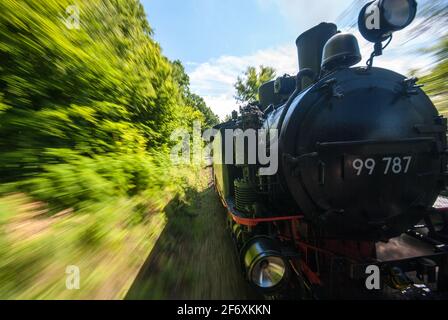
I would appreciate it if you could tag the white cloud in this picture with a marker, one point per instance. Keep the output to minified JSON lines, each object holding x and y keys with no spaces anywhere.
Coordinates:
{"x":214,"y":79}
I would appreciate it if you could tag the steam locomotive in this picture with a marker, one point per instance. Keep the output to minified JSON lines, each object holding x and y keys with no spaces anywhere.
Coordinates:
{"x":362,"y":155}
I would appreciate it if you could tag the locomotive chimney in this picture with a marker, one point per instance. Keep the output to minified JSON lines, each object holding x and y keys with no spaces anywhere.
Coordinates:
{"x":310,"y":46}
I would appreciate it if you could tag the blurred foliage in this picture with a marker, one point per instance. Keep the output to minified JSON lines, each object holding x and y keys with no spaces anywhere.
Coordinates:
{"x":78,"y":182}
{"x":108,"y":240}
{"x":101,"y":89}
{"x":82,"y":111}
{"x":436,"y":82}
{"x":247,"y":85}
{"x":192,"y":99}
{"x":85,"y":121}
{"x":435,"y":14}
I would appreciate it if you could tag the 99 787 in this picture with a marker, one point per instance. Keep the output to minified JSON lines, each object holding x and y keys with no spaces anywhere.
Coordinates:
{"x":387,"y":165}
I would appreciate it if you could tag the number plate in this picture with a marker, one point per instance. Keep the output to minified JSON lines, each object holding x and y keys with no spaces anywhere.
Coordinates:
{"x":384,"y":165}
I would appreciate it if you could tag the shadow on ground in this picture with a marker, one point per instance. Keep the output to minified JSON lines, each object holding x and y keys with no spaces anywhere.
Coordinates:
{"x":194,"y":257}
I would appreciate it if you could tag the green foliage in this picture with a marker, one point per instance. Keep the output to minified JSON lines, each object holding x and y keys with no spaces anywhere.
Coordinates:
{"x":191,"y":99}
{"x":85,"y":121}
{"x":102,"y":89}
{"x":79,"y":182}
{"x":83,"y":111}
{"x":436,"y":83}
{"x":247,"y":85}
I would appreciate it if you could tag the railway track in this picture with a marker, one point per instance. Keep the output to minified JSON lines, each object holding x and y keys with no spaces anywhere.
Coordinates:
{"x":194,"y":257}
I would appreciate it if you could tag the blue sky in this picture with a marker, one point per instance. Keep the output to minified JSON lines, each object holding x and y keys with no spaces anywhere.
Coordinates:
{"x":197,"y":30}
{"x":216,"y":40}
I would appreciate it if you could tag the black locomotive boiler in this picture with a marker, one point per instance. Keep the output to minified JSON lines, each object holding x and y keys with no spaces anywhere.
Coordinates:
{"x":362,"y":157}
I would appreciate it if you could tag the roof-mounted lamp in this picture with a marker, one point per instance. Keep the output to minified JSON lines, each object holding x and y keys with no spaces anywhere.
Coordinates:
{"x":379,"y":19}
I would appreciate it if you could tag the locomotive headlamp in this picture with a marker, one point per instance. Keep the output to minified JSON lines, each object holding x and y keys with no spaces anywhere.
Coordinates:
{"x":399,"y":13}
{"x":265,"y":266}
{"x":380,"y":18}
{"x":268,"y":272}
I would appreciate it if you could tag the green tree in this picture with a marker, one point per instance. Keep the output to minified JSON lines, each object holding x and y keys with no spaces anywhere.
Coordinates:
{"x":192,"y":99}
{"x":104,"y":89}
{"x":247,"y":85}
